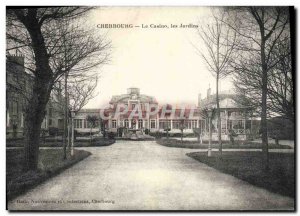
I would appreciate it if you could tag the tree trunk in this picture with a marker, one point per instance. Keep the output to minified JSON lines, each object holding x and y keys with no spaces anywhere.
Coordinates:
{"x":32,"y":135}
{"x":34,"y":115}
{"x":264,"y":78}
{"x":42,"y":86}
{"x":264,"y":126}
{"x":218,"y":115}
{"x":65,"y":118}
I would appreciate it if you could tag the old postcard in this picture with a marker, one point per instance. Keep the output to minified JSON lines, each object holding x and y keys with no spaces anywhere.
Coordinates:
{"x":150,"y":108}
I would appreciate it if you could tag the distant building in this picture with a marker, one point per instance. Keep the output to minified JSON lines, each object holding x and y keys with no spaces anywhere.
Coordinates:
{"x":234,"y":116}
{"x":81,"y":123}
{"x":17,"y":85}
{"x":153,"y":121}
{"x":131,"y":111}
{"x":18,"y":91}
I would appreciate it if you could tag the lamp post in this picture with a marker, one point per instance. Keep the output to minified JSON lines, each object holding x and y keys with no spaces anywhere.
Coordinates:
{"x":72,"y":138}
{"x":209,"y":113}
{"x":182,"y":127}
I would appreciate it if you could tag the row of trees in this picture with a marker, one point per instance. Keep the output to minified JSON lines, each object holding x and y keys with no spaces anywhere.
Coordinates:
{"x":56,"y":45}
{"x":253,"y":45}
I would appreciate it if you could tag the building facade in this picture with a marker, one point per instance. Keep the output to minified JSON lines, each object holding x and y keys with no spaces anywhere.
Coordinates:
{"x":18,"y":92}
{"x":138,"y":111}
{"x":82,"y":124}
{"x":235,"y":118}
{"x":131,"y":111}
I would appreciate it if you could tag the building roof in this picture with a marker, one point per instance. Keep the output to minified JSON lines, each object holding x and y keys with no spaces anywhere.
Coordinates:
{"x":226,"y":101}
{"x":132,"y":94}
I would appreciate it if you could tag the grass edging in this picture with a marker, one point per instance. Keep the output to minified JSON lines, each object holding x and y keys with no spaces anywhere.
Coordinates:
{"x":29,"y":180}
{"x":173,"y":143}
{"x":59,"y":143}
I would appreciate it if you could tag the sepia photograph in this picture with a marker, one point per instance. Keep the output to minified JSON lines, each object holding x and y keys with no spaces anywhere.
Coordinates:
{"x":150,"y":108}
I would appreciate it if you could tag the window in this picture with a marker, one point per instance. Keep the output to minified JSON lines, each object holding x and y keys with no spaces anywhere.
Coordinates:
{"x":22,"y":120}
{"x":240,"y":123}
{"x":248,"y":124}
{"x":152,"y":124}
{"x":140,"y":123}
{"x":133,"y":123}
{"x":236,"y":124}
{"x":202,"y":125}
{"x":50,"y":122}
{"x":164,"y":124}
{"x":194,"y":123}
{"x":176,"y":124}
{"x":60,"y":123}
{"x":78,"y":123}
{"x":132,"y":106}
{"x":50,"y":112}
{"x":126,"y":123}
{"x":114,"y":123}
{"x":223,"y":123}
{"x":161,"y":124}
{"x":188,"y":124}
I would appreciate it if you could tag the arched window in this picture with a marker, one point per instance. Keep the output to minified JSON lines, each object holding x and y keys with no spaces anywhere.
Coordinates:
{"x":126,"y":123}
{"x":140,"y":123}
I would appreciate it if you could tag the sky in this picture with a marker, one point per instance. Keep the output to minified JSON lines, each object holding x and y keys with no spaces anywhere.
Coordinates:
{"x":162,"y":62}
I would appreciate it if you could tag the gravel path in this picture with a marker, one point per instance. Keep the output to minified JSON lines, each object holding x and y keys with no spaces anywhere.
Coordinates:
{"x":132,"y":175}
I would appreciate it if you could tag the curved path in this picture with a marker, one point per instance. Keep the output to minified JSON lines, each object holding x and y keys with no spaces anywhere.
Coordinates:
{"x":146,"y":176}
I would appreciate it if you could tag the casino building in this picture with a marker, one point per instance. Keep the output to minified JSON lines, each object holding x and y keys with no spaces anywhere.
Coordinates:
{"x":170,"y":118}
{"x":234,"y":117}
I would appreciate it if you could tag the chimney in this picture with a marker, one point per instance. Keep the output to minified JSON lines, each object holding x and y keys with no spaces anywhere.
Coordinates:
{"x":208,"y":92}
{"x":199,"y":100}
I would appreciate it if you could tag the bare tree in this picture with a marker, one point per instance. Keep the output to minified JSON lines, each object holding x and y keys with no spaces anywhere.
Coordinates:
{"x":219,"y":41}
{"x":247,"y":81}
{"x":92,"y":120}
{"x":259,"y":30}
{"x":81,"y":92}
{"x":38,"y":33}
{"x":281,"y":86}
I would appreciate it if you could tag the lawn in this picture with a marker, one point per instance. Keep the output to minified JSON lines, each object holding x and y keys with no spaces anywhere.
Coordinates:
{"x":248,"y":166}
{"x":50,"y":164}
{"x":226,"y":145}
{"x":53,"y":142}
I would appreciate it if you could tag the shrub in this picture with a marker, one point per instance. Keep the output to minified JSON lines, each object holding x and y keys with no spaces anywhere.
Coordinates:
{"x":156,"y":134}
{"x":111,"y":135}
{"x":281,"y":128}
